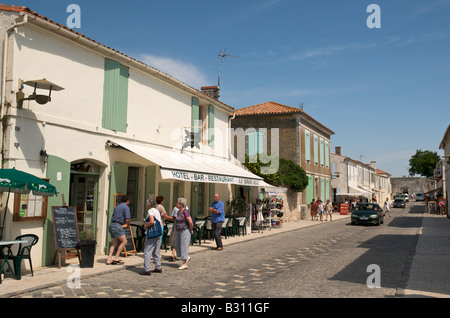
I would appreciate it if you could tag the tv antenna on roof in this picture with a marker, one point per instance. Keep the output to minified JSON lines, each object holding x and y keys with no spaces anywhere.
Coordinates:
{"x":222,"y":57}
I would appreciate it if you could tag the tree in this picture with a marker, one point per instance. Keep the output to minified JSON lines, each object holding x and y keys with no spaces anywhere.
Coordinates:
{"x":288,"y":174}
{"x":423,"y":163}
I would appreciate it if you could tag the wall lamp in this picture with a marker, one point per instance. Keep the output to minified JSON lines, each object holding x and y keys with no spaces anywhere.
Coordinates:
{"x":44,"y":156}
{"x":37,"y":84}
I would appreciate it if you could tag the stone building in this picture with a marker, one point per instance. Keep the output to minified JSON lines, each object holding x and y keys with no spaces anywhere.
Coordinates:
{"x":272,"y":128}
{"x":411,"y":185}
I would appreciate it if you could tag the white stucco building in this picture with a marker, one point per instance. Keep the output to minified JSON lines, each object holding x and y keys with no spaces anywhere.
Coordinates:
{"x":117,"y":126}
{"x":352,"y":179}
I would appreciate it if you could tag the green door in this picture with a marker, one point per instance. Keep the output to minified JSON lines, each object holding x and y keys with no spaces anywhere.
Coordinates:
{"x":58,"y":173}
{"x":117,"y":184}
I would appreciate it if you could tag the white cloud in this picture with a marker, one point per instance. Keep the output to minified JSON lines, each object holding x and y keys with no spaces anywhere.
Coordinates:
{"x":183,"y":71}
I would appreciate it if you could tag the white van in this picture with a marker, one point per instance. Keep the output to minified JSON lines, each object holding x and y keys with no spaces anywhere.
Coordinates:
{"x":420,"y":197}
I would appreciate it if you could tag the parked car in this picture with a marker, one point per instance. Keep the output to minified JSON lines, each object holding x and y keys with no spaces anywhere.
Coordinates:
{"x":399,"y":203}
{"x":367,"y":213}
{"x":420,"y":197}
{"x":406,"y":197}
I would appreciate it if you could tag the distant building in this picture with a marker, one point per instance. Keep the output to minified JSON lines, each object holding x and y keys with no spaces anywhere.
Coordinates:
{"x":353,"y":179}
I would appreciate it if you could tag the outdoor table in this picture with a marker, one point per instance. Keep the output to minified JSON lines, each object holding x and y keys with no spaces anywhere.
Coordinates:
{"x":6,"y":245}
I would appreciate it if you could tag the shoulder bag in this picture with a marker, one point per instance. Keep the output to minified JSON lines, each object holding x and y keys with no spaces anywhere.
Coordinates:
{"x":155,"y":230}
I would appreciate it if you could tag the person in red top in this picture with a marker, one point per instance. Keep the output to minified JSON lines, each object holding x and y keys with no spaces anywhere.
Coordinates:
{"x":311,"y":209}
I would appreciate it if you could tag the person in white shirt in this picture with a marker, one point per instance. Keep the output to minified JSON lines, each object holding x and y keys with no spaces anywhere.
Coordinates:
{"x":386,"y":207}
{"x":152,"y":245}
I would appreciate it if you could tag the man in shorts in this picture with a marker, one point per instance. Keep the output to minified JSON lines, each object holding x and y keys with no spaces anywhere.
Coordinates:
{"x":121,"y":216}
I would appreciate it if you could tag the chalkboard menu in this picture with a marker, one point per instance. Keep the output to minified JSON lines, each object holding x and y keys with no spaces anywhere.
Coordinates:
{"x":65,"y":227}
{"x":129,"y":247}
{"x":431,"y":206}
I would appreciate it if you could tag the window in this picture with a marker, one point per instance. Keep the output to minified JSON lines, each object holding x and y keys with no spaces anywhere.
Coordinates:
{"x":211,"y":126}
{"x":316,"y":149}
{"x":115,"y":96}
{"x":307,"y":146}
{"x":327,"y":154}
{"x":255,"y":143}
{"x":321,"y":152}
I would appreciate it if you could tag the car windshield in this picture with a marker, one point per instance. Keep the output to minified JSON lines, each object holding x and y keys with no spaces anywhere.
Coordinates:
{"x":399,"y":200}
{"x":368,"y":206}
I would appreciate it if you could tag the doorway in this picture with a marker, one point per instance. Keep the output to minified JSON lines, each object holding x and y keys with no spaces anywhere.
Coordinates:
{"x":83,"y":194}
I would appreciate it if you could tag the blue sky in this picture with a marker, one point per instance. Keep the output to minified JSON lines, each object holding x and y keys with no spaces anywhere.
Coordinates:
{"x":385,"y":92}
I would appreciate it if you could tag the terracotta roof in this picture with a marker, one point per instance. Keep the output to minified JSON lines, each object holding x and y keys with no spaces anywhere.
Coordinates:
{"x":13,"y":8}
{"x":382,"y":172}
{"x":273,"y":108}
{"x":267,"y":108}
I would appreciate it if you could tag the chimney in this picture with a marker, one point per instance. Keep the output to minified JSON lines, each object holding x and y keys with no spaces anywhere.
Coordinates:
{"x":373,"y":164}
{"x":211,"y":91}
{"x":338,"y":150}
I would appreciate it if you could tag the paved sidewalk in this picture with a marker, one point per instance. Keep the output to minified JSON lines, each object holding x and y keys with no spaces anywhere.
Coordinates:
{"x":48,"y":276}
{"x":429,"y":274}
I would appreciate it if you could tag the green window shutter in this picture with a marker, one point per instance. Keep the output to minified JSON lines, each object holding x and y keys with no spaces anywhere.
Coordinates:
{"x":316,"y":149}
{"x":327,"y":190}
{"x":327,"y":154}
{"x":195,"y":114}
{"x":321,"y":152}
{"x":252,"y":143}
{"x":211,"y":126}
{"x":260,"y":140}
{"x":307,"y":146}
{"x":115,"y":96}
{"x":322,"y":189}
{"x":310,"y":189}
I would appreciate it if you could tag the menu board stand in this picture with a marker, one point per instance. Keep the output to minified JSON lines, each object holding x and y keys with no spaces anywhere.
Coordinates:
{"x":65,"y":229}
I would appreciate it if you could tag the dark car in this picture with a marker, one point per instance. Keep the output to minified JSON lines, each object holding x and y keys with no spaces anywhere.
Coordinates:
{"x":399,"y":203}
{"x":368,"y":213}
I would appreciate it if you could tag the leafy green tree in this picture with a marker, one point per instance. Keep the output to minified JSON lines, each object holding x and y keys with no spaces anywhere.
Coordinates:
{"x":423,"y":163}
{"x":289,"y":174}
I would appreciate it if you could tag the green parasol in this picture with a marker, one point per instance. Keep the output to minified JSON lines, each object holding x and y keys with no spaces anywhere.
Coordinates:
{"x":17,"y":181}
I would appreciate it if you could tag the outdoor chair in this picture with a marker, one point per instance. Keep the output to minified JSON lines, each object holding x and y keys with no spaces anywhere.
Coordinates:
{"x":24,"y":252}
{"x":198,"y":229}
{"x":231,"y":227}
{"x":166,"y":235}
{"x":241,"y":225}
{"x":138,"y":236}
{"x":225,"y":227}
{"x":208,"y":229}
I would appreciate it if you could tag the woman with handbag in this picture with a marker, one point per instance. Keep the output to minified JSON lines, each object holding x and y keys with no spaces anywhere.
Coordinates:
{"x":184,"y":227}
{"x":153,"y":239}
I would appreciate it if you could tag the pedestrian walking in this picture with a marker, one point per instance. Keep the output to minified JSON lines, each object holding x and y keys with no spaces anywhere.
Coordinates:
{"x":152,"y":244}
{"x":312,"y":209}
{"x":162,"y":211}
{"x":184,"y":226}
{"x":328,"y":211}
{"x":120,"y":217}
{"x":173,"y":235}
{"x":321,"y":209}
{"x":386,"y":207}
{"x":316,"y":209}
{"x":217,"y":218}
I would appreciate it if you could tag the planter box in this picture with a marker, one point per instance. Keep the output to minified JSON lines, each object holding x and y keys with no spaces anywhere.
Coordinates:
{"x":87,"y":253}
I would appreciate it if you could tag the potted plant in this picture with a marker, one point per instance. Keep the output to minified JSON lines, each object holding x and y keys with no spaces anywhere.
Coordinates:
{"x":87,"y":246}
